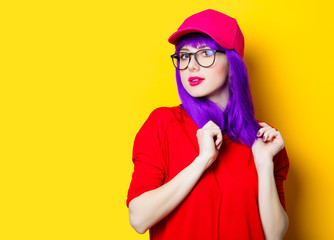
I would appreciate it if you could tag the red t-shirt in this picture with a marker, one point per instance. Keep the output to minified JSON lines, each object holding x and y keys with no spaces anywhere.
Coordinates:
{"x":224,"y":202}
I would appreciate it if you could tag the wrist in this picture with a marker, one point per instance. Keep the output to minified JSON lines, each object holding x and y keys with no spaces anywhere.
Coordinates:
{"x":202,"y":162}
{"x":264,"y":164}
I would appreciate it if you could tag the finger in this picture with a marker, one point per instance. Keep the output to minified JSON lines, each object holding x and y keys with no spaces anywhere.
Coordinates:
{"x":267,"y":133}
{"x":211,"y":128}
{"x":263,"y":130}
{"x":263,"y":124}
{"x":276,"y":134}
{"x":207,"y":129}
{"x":272,"y":135}
{"x":210,"y":131}
{"x":220,"y":143}
{"x":215,"y":133}
{"x":219,"y":139}
{"x":219,"y":146}
{"x":210,"y":124}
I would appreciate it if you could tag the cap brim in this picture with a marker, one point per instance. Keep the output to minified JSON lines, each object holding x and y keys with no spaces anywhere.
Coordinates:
{"x":173,"y":39}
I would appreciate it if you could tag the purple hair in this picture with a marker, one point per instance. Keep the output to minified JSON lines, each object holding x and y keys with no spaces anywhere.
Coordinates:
{"x":237,"y":120}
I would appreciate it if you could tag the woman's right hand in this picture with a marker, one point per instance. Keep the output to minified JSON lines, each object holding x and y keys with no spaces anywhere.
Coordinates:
{"x":210,"y":140}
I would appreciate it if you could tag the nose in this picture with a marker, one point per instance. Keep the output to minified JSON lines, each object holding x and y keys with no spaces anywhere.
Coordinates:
{"x":193,"y":65}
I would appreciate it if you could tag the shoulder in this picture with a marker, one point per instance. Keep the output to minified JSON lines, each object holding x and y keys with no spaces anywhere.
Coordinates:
{"x":162,"y":117}
{"x":161,"y":112}
{"x":166,"y":111}
{"x":165,"y":114}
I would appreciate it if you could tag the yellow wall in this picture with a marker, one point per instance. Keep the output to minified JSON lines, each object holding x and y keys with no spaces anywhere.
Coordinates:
{"x":78,"y":79}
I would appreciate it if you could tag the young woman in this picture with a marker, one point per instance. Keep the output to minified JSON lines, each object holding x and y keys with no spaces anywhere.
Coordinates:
{"x":206,"y":169}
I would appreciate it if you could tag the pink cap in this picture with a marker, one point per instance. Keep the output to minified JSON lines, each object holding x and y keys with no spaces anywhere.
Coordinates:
{"x":222,"y":28}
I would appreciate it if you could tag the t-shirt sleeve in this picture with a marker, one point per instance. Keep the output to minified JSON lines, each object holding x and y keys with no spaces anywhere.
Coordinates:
{"x":148,"y":156}
{"x":281,"y":168}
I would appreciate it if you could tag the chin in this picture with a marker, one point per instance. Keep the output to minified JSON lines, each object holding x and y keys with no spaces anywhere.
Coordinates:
{"x":197,"y":95}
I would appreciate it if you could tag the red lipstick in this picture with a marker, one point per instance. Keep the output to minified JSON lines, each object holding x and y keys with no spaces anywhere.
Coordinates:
{"x":194,"y":81}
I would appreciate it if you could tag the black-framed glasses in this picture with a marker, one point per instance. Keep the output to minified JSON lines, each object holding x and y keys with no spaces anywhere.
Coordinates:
{"x":204,"y":58}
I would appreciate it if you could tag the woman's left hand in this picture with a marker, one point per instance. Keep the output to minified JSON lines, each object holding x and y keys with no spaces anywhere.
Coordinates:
{"x":269,"y":145}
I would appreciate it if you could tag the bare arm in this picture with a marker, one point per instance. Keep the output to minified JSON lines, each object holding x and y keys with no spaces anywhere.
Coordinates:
{"x":274,"y":219}
{"x":152,"y":206}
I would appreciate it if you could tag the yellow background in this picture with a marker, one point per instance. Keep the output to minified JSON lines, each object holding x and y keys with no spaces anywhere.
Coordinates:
{"x":79,"y":78}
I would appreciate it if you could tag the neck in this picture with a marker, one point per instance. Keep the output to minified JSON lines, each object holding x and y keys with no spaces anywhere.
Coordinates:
{"x":220,"y":98}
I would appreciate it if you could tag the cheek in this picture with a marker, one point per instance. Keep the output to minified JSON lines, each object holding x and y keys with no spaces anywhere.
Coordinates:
{"x":222,"y":70}
{"x":184,"y":77}
{"x":222,"y":66}
{"x":220,"y":73}
{"x":217,"y":74}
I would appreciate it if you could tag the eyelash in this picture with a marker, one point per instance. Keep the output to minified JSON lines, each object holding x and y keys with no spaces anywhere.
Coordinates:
{"x":205,"y":51}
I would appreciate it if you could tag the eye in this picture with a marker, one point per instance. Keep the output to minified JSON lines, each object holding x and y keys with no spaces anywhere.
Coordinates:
{"x":208,"y":53}
{"x":183,"y":56}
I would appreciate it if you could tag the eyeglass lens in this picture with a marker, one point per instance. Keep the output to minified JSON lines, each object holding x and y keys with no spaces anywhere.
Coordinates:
{"x":204,"y":57}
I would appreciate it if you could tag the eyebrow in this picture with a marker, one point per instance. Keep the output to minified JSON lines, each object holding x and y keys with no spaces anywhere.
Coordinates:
{"x":203,"y":46}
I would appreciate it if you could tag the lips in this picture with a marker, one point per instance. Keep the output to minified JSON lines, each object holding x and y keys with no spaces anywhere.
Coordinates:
{"x":193,"y":81}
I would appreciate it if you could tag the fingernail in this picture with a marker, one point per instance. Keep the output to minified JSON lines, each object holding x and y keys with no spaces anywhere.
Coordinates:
{"x":258,"y":133}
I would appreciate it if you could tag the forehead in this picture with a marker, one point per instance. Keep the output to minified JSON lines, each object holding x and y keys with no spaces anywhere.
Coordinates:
{"x":195,"y":43}
{"x":192,"y":48}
